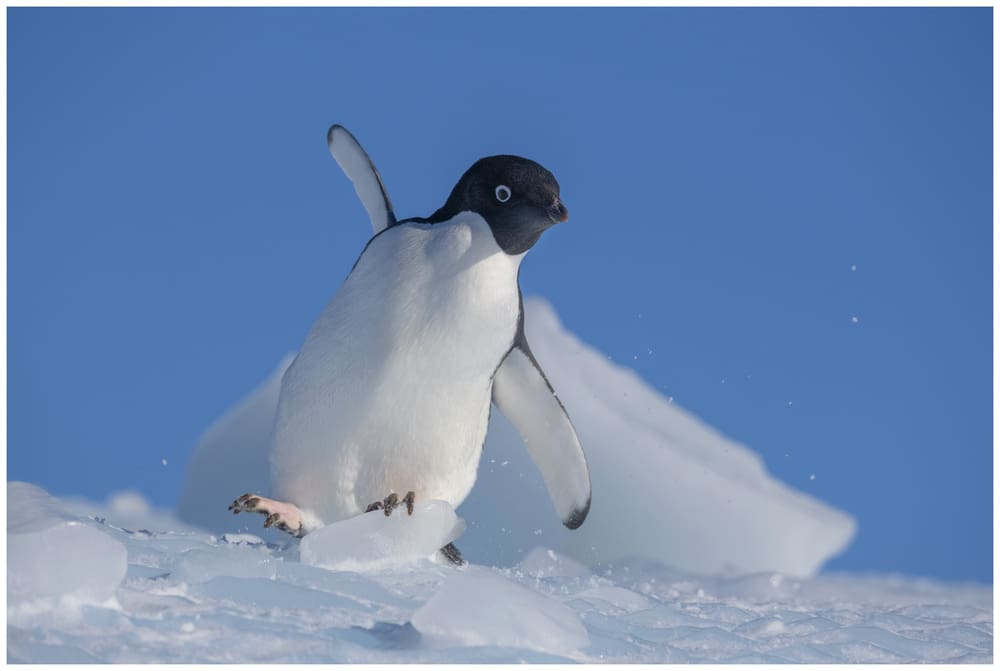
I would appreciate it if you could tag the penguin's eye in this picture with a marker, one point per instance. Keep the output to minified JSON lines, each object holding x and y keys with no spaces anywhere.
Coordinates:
{"x":503,"y":193}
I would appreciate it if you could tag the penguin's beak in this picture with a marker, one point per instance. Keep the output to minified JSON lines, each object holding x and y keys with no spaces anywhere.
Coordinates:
{"x":558,"y":212}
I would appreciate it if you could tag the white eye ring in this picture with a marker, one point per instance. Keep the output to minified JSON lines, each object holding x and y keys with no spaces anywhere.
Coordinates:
{"x":503,"y":193}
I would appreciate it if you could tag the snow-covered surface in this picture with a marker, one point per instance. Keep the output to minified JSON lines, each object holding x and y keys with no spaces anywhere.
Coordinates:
{"x":665,"y":485}
{"x":187,"y":596}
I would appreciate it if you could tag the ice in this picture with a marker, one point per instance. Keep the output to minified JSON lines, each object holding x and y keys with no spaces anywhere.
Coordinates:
{"x":477,"y":607}
{"x":373,"y":540}
{"x":199,"y":565}
{"x":191,"y":597}
{"x":68,"y":559}
{"x":53,"y":556}
{"x":717,"y":507}
{"x":608,"y":598}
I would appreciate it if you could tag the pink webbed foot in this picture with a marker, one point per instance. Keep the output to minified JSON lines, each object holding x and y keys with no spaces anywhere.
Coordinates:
{"x":281,"y":515}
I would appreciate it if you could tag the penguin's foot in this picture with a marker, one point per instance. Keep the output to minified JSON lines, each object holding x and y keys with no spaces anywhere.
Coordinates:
{"x":281,"y":515}
{"x":389,"y":503}
{"x":452,"y":554}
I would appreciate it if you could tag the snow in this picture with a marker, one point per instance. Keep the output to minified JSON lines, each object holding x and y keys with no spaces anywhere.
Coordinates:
{"x":160,"y":591}
{"x":665,"y":485}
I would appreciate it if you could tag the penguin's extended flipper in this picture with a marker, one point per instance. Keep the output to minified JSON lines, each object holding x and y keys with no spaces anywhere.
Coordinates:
{"x":356,"y":164}
{"x":525,"y":397}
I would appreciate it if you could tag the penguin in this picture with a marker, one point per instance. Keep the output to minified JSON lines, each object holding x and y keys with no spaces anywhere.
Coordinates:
{"x":389,"y":397}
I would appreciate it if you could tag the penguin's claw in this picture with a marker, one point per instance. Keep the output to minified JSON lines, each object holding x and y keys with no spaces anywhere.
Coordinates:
{"x":391,"y":502}
{"x":408,"y":500}
{"x":245,"y":504}
{"x":452,"y":554}
{"x":284,"y":516}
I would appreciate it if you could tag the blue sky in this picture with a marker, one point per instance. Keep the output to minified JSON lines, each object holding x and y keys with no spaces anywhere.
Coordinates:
{"x":175,"y":223}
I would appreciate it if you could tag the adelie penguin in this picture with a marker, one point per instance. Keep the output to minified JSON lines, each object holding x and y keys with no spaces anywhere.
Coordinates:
{"x":389,"y":397}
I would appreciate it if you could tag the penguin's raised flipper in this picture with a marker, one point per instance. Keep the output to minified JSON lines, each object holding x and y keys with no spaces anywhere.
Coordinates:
{"x":525,"y":397}
{"x":358,"y":166}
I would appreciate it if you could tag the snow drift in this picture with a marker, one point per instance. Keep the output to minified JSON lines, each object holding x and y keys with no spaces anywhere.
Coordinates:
{"x":717,"y":509}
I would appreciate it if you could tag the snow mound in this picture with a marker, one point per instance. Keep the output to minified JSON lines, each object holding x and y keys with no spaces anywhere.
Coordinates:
{"x":717,"y":507}
{"x":53,"y":556}
{"x":373,"y":541}
{"x":191,"y":597}
{"x":480,"y":608}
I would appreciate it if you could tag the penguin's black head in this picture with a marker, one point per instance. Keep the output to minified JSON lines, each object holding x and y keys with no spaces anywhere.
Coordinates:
{"x":518,"y":198}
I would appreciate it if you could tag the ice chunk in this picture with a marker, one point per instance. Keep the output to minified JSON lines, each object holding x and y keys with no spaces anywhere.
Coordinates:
{"x":30,"y":508}
{"x":200,"y":565}
{"x":372,"y":540}
{"x":50,"y":554}
{"x":477,"y":607}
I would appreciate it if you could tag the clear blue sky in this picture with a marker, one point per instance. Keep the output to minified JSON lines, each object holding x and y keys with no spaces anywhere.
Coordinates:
{"x":175,"y":223}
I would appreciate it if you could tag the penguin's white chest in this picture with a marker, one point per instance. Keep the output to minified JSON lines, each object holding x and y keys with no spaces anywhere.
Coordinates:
{"x":391,"y":390}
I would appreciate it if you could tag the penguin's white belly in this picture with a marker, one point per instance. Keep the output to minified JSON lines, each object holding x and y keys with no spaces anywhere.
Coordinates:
{"x":391,"y":390}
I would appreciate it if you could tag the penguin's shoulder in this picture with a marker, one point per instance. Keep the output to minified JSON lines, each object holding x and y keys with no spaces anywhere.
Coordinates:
{"x":438,"y":241}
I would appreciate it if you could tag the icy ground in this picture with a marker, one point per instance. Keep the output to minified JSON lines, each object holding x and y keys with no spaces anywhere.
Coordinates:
{"x":119,"y":582}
